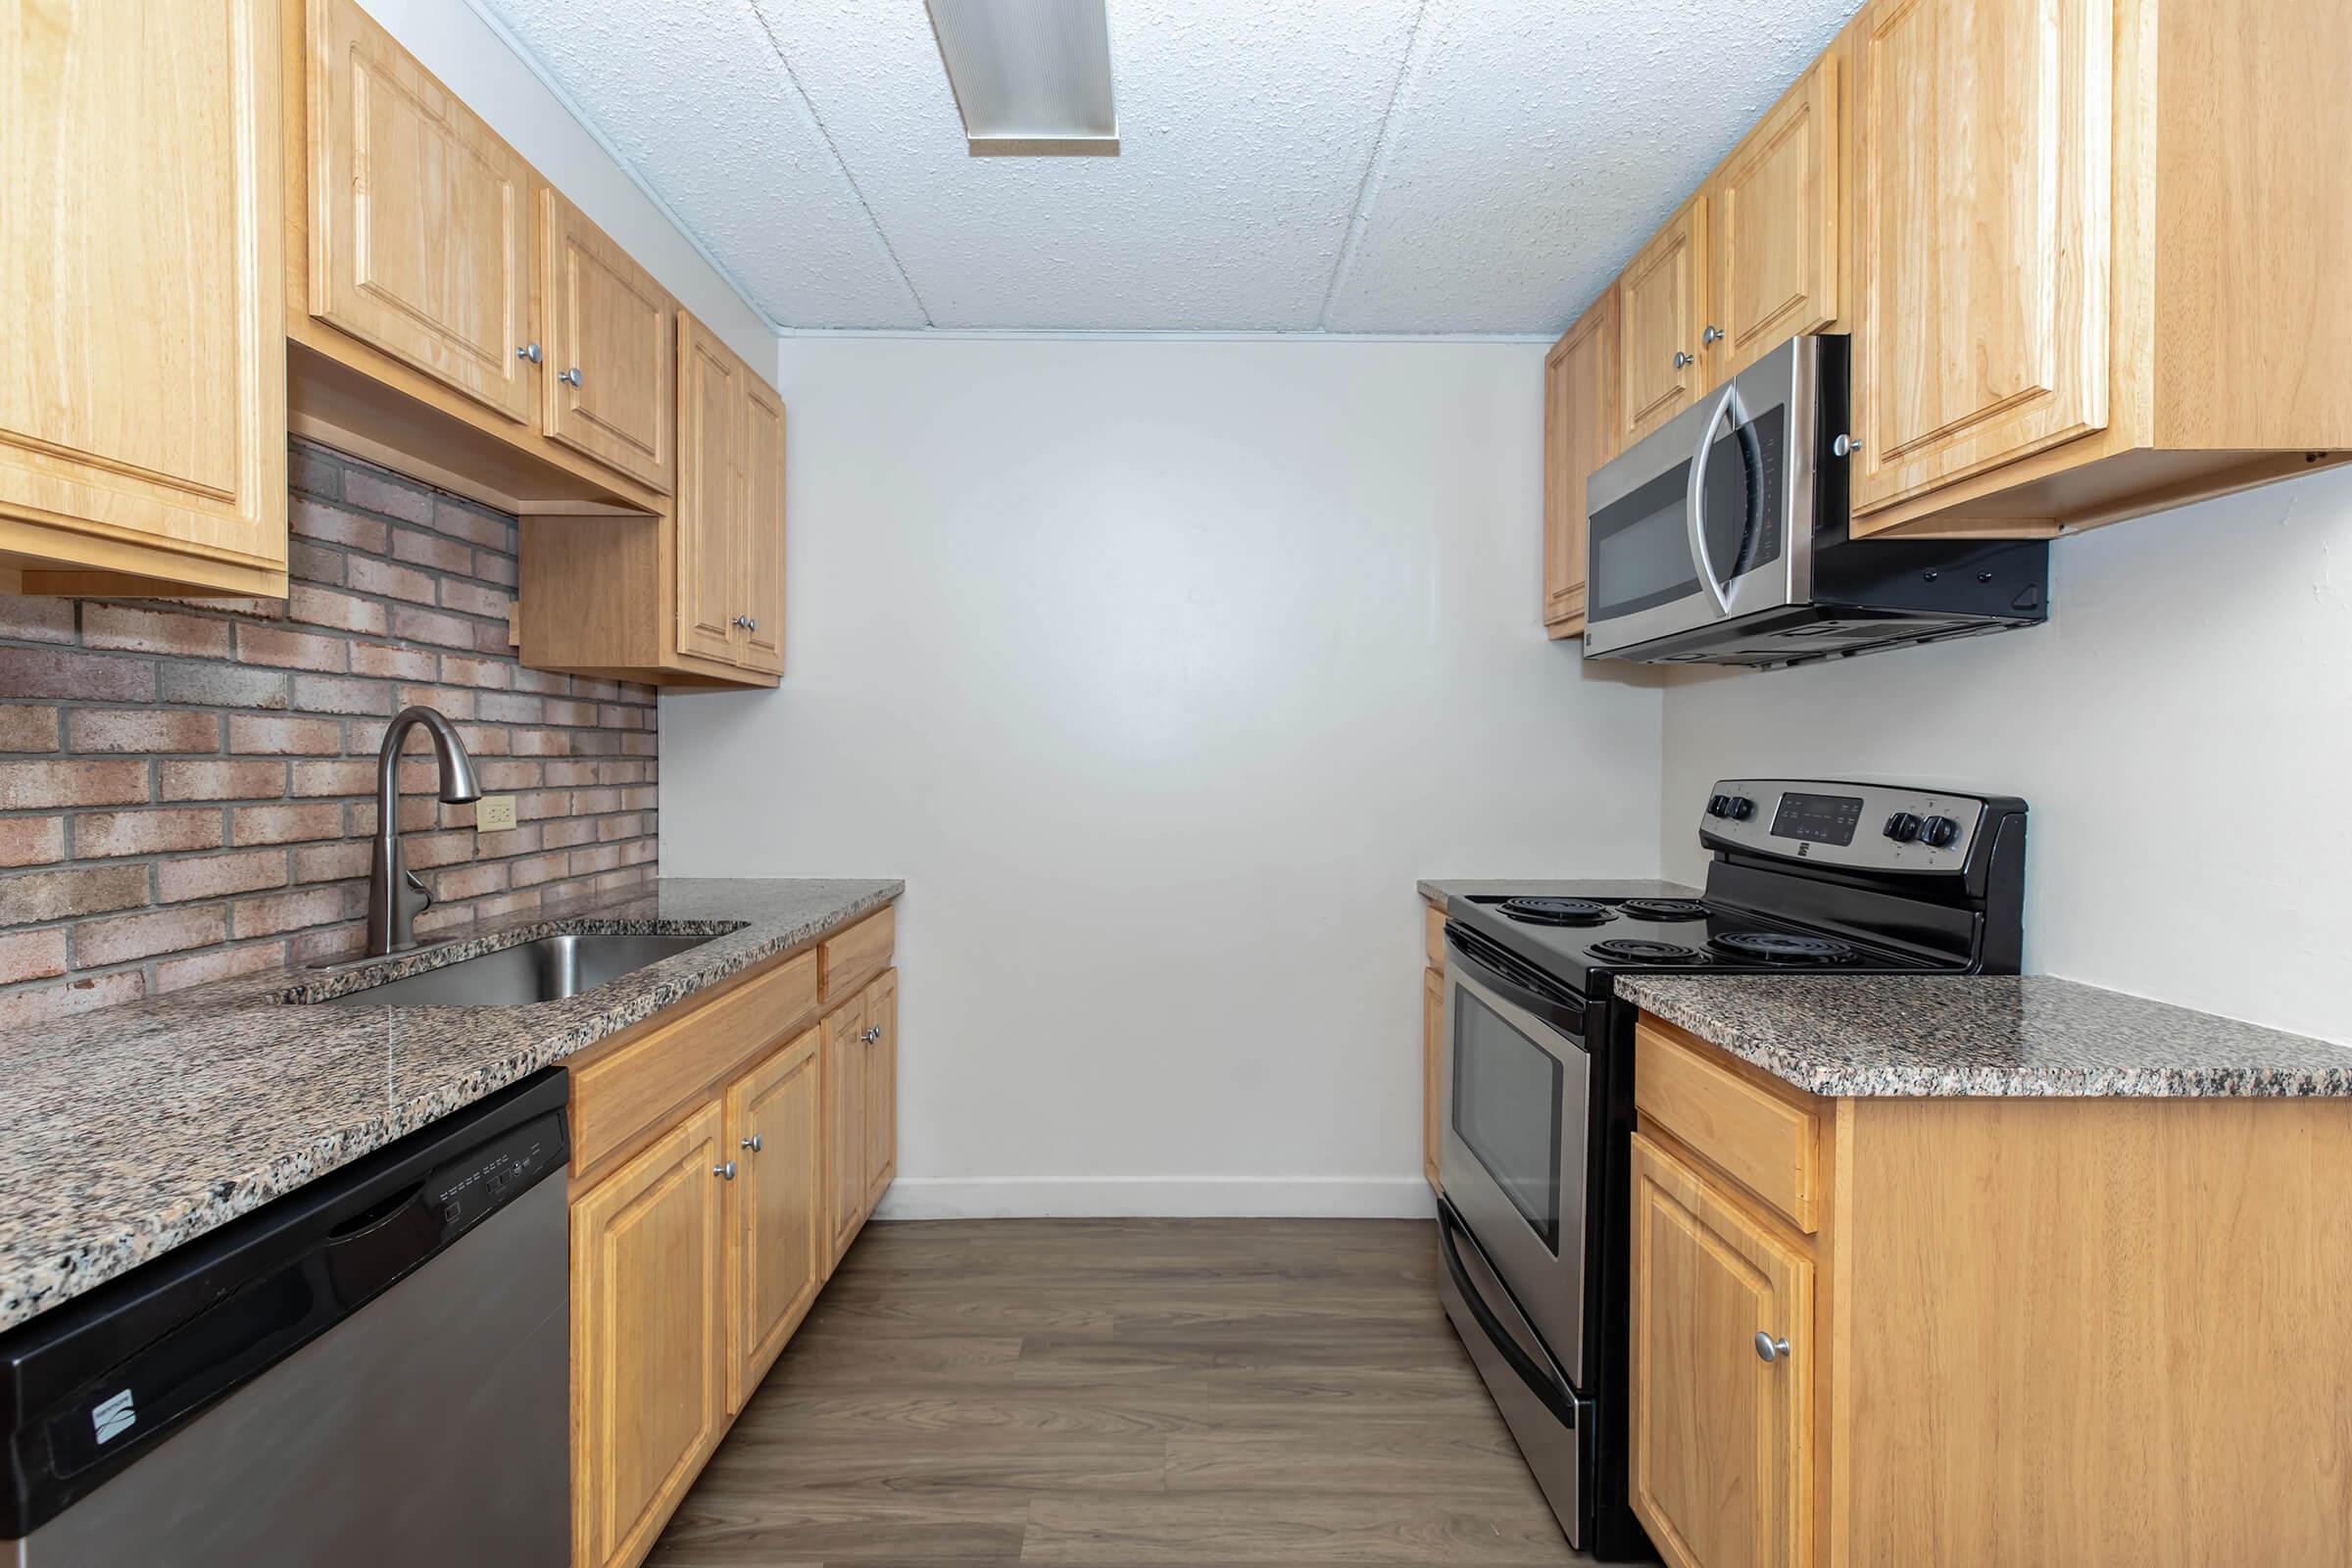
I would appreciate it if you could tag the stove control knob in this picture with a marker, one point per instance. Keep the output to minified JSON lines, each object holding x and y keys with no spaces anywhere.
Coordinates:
{"x":1719,"y":805}
{"x":1739,"y":808}
{"x":1903,"y":827}
{"x":1937,"y":832}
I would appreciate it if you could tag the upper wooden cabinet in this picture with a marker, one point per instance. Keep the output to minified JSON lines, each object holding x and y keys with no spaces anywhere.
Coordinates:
{"x":1984,"y":177}
{"x":142,"y":374}
{"x":691,"y":596}
{"x":1777,"y":227}
{"x":609,"y":377}
{"x":420,"y":236}
{"x":1660,"y":306}
{"x":1580,"y":434}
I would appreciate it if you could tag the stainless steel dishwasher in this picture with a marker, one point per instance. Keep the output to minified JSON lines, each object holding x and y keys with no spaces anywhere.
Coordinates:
{"x":372,"y":1369}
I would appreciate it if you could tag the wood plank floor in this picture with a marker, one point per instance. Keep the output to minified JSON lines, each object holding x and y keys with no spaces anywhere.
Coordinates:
{"x":1123,"y":1392}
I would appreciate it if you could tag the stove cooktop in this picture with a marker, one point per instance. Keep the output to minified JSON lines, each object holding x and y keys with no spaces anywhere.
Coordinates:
{"x":1577,"y":940}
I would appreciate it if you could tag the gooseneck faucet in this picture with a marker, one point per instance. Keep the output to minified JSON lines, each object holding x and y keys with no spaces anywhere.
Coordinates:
{"x":395,"y":897}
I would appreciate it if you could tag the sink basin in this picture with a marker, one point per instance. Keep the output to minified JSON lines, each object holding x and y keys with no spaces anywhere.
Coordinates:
{"x":544,"y":970}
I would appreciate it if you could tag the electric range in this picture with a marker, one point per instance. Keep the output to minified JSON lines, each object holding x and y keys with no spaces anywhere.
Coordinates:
{"x":1537,"y":1077}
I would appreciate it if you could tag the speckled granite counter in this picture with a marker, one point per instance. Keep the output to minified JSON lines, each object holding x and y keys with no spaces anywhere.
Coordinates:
{"x":1438,"y":892}
{"x":1952,"y":1035}
{"x":127,"y":1131}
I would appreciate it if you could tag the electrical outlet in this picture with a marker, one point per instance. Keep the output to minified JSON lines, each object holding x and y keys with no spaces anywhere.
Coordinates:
{"x":494,"y":813}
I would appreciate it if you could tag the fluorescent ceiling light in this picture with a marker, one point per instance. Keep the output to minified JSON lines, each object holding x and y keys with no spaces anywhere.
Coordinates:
{"x":1031,"y":78}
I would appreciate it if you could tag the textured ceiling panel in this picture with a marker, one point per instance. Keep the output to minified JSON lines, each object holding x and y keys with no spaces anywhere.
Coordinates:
{"x":690,"y":93}
{"x":1535,"y":146}
{"x":1363,"y":166}
{"x":1245,"y":132}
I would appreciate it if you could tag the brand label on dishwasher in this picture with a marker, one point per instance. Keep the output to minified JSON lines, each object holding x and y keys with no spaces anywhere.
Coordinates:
{"x":110,"y":1418}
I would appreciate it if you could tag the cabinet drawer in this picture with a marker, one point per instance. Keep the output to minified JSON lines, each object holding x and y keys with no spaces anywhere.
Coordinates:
{"x":1437,"y":937}
{"x":858,"y":955}
{"x":630,"y":1091}
{"x":1768,"y":1142}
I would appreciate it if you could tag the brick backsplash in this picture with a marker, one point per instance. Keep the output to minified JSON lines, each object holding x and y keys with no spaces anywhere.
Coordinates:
{"x":187,"y":786}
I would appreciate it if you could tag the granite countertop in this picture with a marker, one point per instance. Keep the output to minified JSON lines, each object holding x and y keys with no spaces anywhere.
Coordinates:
{"x":1986,"y":1035}
{"x":127,"y":1131}
{"x":1438,"y":892}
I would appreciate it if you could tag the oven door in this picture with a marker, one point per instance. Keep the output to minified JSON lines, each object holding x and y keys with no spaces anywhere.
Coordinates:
{"x":1710,"y":518}
{"x":1515,"y":1101}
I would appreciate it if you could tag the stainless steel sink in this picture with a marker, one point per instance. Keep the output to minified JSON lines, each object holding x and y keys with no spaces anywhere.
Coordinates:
{"x":544,"y":970}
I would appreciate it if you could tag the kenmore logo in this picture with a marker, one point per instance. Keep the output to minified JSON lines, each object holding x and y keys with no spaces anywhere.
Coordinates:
{"x":114,"y":1417}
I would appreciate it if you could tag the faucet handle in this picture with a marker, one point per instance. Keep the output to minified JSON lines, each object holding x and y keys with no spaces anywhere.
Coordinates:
{"x":417,"y":887}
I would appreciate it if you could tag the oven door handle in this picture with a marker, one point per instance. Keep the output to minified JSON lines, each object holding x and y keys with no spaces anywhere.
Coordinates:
{"x":1563,"y":1016}
{"x":1541,"y":1382}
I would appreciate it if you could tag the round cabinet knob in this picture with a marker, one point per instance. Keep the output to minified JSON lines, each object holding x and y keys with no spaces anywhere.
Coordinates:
{"x":570,"y":378}
{"x":1711,"y":336}
{"x":753,"y":1143}
{"x":1770,"y":1349}
{"x":1845,"y":445}
{"x":1683,"y":361}
{"x":1938,"y":832}
{"x":529,"y":352}
{"x":725,"y":1173}
{"x":1902,"y":827}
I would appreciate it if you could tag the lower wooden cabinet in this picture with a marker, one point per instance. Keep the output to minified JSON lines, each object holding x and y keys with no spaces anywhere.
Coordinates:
{"x":650,"y":1257}
{"x":1722,"y":1455}
{"x":1432,"y":1056}
{"x":776,"y":1130}
{"x":702,"y":1233}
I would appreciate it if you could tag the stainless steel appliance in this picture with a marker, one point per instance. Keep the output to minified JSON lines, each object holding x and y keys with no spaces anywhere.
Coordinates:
{"x":1721,"y":538}
{"x":1536,"y":1076}
{"x":372,"y":1369}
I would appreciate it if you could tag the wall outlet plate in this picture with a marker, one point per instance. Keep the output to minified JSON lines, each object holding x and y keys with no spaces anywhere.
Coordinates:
{"x":494,"y":813}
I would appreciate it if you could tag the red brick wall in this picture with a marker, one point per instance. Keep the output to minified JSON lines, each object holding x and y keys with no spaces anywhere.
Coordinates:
{"x":187,"y":786}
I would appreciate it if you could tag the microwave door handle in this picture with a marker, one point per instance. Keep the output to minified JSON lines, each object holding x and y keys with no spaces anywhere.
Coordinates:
{"x":1695,"y":501}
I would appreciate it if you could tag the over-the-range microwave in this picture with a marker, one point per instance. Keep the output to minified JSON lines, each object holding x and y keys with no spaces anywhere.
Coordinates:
{"x":1721,"y":538}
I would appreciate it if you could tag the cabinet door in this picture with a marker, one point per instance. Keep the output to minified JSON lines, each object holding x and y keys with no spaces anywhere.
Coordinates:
{"x":1721,"y":1439}
{"x":1579,"y":426}
{"x":419,"y":216}
{"x":1432,"y":1051}
{"x":710,"y":497}
{"x":142,"y":357}
{"x":1658,"y":314}
{"x":610,"y":382}
{"x":762,"y":524}
{"x":845,"y":1128}
{"x":776,"y":1136}
{"x":649,"y":1305}
{"x":1775,"y":210}
{"x":1985,"y":167}
{"x":881,"y":1087}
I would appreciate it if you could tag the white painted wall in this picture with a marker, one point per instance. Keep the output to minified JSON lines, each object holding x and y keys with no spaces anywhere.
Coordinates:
{"x":473,"y":59}
{"x":2181,"y":729}
{"x":1160,"y":670}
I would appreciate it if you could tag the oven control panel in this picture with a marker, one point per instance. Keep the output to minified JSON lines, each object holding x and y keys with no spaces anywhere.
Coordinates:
{"x":1870,"y":827}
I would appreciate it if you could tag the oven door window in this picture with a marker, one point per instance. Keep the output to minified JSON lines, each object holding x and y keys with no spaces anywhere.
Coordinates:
{"x":1506,"y":1110}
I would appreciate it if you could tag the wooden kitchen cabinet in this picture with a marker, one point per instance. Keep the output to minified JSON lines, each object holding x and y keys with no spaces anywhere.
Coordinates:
{"x":1994,"y":1308}
{"x":694,"y":596}
{"x":1984,"y":174}
{"x":421,"y":217}
{"x":1580,"y":434}
{"x":1721,"y":1454}
{"x":1433,"y":1056}
{"x":609,"y":378}
{"x":649,"y":1312}
{"x":881,"y":1087}
{"x":846,"y":1060}
{"x":142,"y":404}
{"x":1775,"y":208}
{"x":1661,"y":307}
{"x":775,"y":1132}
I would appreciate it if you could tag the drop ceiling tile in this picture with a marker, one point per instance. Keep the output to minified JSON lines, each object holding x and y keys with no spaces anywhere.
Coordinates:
{"x":1245,"y":131}
{"x":1536,"y":144}
{"x":692,"y":93}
